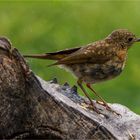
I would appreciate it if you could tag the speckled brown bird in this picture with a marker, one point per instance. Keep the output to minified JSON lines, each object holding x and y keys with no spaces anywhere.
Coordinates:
{"x":96,"y":62}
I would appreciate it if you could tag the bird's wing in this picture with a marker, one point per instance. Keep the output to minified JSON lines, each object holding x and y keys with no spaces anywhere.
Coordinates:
{"x":92,"y":53}
{"x":62,"y":54}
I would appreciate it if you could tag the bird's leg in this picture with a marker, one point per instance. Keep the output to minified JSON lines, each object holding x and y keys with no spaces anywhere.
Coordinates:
{"x":104,"y":102}
{"x":79,"y":82}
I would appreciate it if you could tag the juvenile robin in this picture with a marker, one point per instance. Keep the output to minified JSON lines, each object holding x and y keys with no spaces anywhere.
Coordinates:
{"x":96,"y":62}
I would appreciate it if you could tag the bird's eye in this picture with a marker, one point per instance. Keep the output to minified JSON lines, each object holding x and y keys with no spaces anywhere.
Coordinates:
{"x":130,"y":39}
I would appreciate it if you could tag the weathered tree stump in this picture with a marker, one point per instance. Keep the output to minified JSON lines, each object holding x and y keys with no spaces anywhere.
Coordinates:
{"x":33,"y":108}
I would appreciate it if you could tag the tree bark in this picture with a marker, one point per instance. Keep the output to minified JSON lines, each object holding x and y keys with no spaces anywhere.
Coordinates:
{"x":32,"y":108}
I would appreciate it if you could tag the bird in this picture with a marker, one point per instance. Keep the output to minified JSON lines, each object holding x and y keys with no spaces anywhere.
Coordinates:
{"x":95,"y":62}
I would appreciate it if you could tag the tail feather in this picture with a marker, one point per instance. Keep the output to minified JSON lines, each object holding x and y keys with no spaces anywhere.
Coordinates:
{"x":43,"y":56}
{"x":50,"y":56}
{"x":54,"y":55}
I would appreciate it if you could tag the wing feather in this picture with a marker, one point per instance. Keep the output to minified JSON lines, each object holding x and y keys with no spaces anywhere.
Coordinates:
{"x":92,"y":53}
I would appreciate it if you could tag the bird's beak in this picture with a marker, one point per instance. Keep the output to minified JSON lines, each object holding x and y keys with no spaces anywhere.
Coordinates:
{"x":138,"y":40}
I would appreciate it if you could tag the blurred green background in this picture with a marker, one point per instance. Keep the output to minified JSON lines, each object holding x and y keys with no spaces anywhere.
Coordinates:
{"x":45,"y":26}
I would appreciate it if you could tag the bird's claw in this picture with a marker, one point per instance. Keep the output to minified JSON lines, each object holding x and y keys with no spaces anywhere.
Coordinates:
{"x":108,"y":108}
{"x":92,"y":106}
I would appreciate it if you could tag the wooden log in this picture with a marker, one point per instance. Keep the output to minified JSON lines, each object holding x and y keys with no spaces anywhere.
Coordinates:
{"x":32,"y":108}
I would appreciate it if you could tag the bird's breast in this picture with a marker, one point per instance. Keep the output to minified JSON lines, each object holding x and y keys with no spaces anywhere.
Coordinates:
{"x":93,"y":73}
{"x":122,"y":54}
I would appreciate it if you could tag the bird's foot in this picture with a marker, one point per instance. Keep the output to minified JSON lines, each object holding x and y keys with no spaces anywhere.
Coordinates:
{"x":91,"y":106}
{"x":131,"y":136}
{"x":108,"y":107}
{"x":94,"y":108}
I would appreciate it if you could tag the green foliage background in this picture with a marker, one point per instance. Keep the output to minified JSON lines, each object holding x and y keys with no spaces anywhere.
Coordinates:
{"x":45,"y":26}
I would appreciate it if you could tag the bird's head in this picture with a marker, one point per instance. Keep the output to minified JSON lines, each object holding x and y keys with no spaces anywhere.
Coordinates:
{"x":124,"y":37}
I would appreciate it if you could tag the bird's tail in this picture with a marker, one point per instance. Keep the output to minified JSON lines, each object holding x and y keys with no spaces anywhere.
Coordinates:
{"x":42,"y":56}
{"x":54,"y":55}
